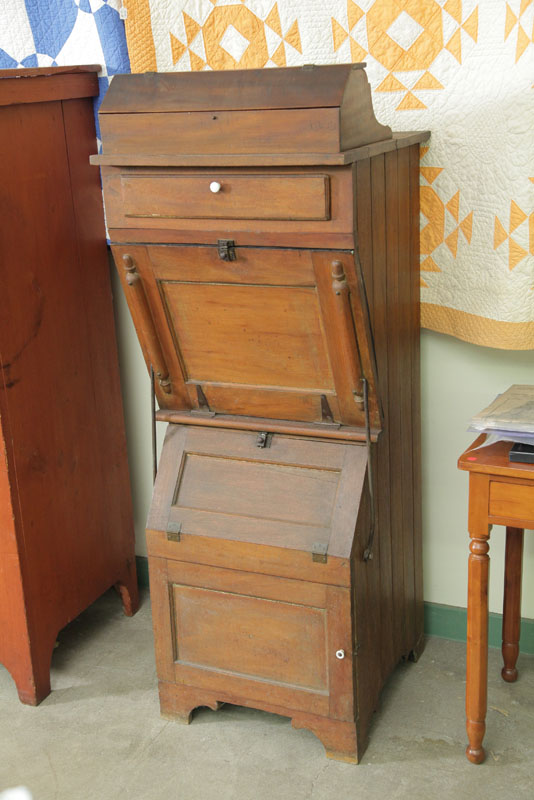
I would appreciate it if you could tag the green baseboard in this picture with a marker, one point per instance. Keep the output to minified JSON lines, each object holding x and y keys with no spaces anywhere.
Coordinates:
{"x":141,"y":563}
{"x":448,"y":622}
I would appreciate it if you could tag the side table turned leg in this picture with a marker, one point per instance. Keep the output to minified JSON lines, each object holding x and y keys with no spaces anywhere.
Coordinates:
{"x":511,"y":620}
{"x":477,"y":648}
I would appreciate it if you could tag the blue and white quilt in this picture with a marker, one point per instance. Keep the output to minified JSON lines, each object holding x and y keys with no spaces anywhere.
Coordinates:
{"x":44,"y":33}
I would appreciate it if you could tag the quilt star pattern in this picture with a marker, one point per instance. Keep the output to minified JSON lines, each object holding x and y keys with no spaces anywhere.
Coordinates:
{"x":462,"y":68}
{"x":44,"y":33}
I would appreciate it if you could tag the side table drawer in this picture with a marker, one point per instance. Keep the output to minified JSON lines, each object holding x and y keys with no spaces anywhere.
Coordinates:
{"x":512,"y":501}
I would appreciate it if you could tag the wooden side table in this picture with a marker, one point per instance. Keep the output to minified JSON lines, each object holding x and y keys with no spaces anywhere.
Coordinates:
{"x":500,"y":493}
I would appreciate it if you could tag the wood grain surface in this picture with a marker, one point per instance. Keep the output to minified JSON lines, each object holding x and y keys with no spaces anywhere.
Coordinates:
{"x":353,"y":154}
{"x":263,"y":335}
{"x":241,"y":196}
{"x":68,"y":533}
{"x":276,"y":301}
{"x":286,"y":201}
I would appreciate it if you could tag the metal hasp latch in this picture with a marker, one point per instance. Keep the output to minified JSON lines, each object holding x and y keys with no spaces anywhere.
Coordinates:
{"x":264,"y":439}
{"x":173,"y":531}
{"x":319,"y":551}
{"x":226,"y":249}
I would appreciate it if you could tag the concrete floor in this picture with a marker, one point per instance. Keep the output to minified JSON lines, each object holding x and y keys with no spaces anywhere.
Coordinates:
{"x":99,"y":734}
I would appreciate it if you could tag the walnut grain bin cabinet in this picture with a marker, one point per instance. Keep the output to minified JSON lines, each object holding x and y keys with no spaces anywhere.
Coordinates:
{"x":265,"y":228}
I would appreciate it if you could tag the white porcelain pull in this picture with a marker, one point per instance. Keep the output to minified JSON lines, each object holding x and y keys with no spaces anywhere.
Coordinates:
{"x":340,"y":654}
{"x":215,"y":187}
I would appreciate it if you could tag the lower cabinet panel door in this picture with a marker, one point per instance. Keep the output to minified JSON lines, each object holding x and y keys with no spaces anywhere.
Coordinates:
{"x":250,"y":637}
{"x":260,"y":638}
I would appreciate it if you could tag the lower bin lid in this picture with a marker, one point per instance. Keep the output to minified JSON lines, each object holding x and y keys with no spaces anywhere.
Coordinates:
{"x":274,"y":490}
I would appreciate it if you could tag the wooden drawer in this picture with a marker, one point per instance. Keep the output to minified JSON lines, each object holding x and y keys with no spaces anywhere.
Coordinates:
{"x":240,"y":196}
{"x":284,"y":206}
{"x":512,"y":501}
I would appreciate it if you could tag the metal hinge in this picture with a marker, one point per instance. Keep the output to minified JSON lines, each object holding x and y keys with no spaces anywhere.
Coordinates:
{"x":226,"y":249}
{"x":319,"y":551}
{"x":173,"y":531}
{"x":326,"y":411}
{"x":327,"y":418}
{"x":203,"y":407}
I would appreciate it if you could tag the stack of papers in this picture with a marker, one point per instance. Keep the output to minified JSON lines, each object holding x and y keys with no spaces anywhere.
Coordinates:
{"x":509,"y":418}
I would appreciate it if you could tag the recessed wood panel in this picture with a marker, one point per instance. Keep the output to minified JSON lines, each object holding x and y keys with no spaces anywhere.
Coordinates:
{"x":243,"y":487}
{"x":279,"y":197}
{"x":250,"y":335}
{"x":250,"y":636}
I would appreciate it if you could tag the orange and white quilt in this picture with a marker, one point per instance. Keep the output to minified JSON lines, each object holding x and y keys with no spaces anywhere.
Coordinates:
{"x":461,"y":68}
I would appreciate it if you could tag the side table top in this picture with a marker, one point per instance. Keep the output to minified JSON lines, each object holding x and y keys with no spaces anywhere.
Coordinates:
{"x":494,"y":460}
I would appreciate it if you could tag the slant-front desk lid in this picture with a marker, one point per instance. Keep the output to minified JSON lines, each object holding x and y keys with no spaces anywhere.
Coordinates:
{"x":296,"y":115}
{"x":259,"y":338}
{"x":288,"y":505}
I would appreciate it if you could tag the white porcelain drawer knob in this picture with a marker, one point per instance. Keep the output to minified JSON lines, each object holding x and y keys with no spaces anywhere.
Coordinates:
{"x":215,"y":187}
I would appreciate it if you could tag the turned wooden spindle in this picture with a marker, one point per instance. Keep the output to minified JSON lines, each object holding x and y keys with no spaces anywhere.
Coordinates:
{"x":141,"y":310}
{"x":511,"y":619}
{"x":477,"y":648}
{"x":132,"y":276}
{"x":339,"y":279}
{"x":346,"y":335}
